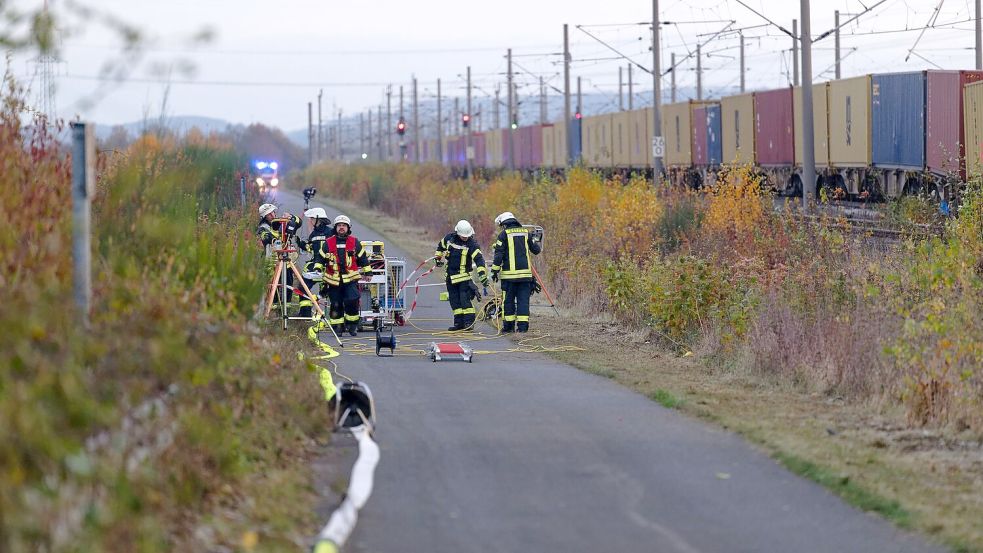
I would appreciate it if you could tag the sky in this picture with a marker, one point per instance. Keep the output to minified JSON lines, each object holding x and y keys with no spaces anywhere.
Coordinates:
{"x":266,"y":59}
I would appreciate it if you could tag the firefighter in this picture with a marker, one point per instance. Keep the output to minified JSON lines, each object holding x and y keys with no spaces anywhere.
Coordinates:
{"x":345,"y":261}
{"x":314,"y":269}
{"x":513,"y":266}
{"x":270,"y":233}
{"x":460,"y":251}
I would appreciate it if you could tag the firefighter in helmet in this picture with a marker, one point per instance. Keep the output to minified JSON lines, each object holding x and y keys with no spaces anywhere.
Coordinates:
{"x":345,"y":263}
{"x":460,"y":252}
{"x":513,"y":266}
{"x":274,"y":232}
{"x":313,"y":272}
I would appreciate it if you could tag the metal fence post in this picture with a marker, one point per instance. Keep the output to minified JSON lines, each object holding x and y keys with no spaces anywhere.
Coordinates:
{"x":83,"y":188}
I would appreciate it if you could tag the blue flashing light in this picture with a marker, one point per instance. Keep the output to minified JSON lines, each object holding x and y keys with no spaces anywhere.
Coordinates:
{"x":274,"y":165}
{"x":261,"y":165}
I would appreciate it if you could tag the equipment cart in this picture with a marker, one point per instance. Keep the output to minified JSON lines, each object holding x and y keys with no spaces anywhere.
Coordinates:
{"x":382,"y":302}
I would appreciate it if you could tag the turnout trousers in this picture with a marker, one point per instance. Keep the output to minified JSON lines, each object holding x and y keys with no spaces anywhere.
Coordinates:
{"x":515,"y":300}
{"x":344,"y":305}
{"x":460,"y":295}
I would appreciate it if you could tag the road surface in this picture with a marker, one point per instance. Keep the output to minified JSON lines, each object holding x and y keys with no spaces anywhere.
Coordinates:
{"x":518,"y":452}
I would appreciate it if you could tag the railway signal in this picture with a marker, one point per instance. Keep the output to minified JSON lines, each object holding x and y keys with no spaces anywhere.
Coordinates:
{"x":465,"y":120}
{"x":401,"y":127}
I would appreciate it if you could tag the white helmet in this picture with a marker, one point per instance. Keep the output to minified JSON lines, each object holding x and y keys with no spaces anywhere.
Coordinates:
{"x":504,"y":217}
{"x":316,"y":213}
{"x":342,"y":219}
{"x":266,"y":209}
{"x":463,"y":229}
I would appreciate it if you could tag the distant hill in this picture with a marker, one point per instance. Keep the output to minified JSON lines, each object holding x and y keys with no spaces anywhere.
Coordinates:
{"x":178,"y":124}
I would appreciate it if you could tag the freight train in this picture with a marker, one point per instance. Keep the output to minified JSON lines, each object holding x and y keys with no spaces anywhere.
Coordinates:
{"x":879,"y":135}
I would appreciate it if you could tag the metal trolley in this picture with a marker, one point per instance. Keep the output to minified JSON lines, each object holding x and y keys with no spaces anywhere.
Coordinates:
{"x":382,"y":301}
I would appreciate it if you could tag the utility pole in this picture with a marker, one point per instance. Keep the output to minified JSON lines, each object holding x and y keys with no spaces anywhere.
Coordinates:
{"x":341,"y":148}
{"x":402,"y":139}
{"x":621,"y":94}
{"x":83,"y":188}
{"x":498,"y":122}
{"x":579,"y":105}
{"x":361,"y":135}
{"x":808,"y":123}
{"x":631,"y":88}
{"x":699,"y":73}
{"x":743,"y":69}
{"x":382,"y":129}
{"x":369,"y":142}
{"x":310,"y":134}
{"x":389,"y":123}
{"x":658,"y":146}
{"x":836,"y":41}
{"x":416,"y":125}
{"x":979,"y":35}
{"x":440,"y":128}
{"x":672,"y":78}
{"x":468,"y":151}
{"x":566,"y":93}
{"x":455,"y":120}
{"x":542,"y":101}
{"x":512,"y":117}
{"x":795,"y":52}
{"x":320,"y":134}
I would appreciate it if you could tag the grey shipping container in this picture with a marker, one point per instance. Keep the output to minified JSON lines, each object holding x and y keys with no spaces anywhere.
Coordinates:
{"x":897,"y":103}
{"x":715,"y":150}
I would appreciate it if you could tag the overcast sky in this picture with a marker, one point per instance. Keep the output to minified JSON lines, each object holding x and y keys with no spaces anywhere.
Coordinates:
{"x":268,"y":59}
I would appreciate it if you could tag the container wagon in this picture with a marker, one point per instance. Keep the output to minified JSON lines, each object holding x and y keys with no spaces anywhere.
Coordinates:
{"x":774,"y":137}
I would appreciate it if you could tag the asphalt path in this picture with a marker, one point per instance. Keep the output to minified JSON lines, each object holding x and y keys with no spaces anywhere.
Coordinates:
{"x":518,"y":452}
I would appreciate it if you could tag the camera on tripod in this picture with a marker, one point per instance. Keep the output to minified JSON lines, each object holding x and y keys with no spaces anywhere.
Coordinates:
{"x":309,"y":193}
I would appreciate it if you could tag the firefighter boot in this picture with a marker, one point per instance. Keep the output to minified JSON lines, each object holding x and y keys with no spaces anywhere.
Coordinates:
{"x":458,"y":323}
{"x":352,"y":328}
{"x":508,"y":326}
{"x":522,"y":327}
{"x":468,"y":322}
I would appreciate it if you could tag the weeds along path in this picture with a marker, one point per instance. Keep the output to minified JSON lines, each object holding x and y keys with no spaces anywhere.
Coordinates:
{"x":517,"y":451}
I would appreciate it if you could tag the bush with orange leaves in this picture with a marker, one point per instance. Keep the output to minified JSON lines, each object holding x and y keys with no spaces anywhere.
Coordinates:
{"x":737,"y":203}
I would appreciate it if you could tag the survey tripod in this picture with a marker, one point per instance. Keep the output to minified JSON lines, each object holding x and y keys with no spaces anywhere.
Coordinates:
{"x":278,"y":287}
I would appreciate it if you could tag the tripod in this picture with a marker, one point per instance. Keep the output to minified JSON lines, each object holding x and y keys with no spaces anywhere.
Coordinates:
{"x":278,"y":287}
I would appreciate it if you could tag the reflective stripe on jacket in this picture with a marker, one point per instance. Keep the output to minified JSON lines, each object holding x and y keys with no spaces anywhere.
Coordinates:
{"x":513,"y":253}
{"x":338,"y":271}
{"x":462,"y":258}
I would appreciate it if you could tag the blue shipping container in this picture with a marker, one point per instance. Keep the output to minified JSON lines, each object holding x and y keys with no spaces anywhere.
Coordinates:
{"x":898,"y":120}
{"x":576,"y":147}
{"x":715,"y":146}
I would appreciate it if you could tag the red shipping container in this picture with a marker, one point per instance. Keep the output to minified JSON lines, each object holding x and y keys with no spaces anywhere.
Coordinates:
{"x":774,"y":136}
{"x":506,"y":152}
{"x":944,"y":123}
{"x":700,"y":137}
{"x":535,"y":147}
{"x":522,"y":153}
{"x":480,"y":156}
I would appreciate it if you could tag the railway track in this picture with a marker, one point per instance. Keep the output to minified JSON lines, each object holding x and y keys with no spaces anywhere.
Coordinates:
{"x":856,"y":218}
{"x":871,"y":228}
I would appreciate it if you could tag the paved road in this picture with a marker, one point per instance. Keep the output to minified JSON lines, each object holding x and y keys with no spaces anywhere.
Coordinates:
{"x":517,"y":452}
